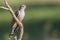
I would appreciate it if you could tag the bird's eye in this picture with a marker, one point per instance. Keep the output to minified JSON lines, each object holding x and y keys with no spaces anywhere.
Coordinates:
{"x":22,"y":6}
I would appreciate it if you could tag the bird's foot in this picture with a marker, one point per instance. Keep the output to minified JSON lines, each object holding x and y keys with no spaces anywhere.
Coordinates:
{"x":10,"y":35}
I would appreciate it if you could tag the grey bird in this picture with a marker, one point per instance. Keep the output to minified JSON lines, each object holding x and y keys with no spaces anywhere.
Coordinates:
{"x":20,"y":13}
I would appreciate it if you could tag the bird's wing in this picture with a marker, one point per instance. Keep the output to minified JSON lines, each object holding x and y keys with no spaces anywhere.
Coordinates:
{"x":16,"y":13}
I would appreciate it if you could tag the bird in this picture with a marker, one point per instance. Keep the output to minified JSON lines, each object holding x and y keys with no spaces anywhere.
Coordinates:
{"x":20,"y":14}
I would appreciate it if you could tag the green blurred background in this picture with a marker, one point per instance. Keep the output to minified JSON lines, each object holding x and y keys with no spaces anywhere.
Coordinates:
{"x":42,"y":20}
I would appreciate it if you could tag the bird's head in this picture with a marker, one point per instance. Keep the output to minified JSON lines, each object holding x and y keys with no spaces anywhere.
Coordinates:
{"x":22,"y":7}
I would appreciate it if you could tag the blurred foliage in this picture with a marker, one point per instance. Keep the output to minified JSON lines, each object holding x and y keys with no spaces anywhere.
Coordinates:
{"x":37,"y":16}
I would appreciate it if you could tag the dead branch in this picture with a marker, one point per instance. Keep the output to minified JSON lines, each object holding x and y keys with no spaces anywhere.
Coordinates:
{"x":4,"y":8}
{"x":18,"y":22}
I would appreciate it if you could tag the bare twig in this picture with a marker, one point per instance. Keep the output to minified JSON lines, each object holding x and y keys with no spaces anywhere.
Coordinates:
{"x":18,"y":21}
{"x":21,"y":33}
{"x":4,"y":8}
